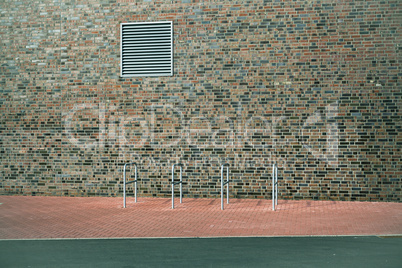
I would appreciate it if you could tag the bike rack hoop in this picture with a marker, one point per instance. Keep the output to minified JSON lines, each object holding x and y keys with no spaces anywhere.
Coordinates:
{"x":225,"y":182}
{"x":125,"y":183}
{"x":178,"y":182}
{"x":274,"y":186}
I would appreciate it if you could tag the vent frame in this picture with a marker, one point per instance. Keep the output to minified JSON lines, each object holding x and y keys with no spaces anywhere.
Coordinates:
{"x":146,"y":49}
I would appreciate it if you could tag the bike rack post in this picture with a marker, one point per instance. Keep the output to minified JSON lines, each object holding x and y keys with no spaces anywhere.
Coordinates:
{"x":276,"y":183}
{"x":225,"y":182}
{"x":125,"y":183}
{"x":179,"y":182}
{"x":274,"y":186}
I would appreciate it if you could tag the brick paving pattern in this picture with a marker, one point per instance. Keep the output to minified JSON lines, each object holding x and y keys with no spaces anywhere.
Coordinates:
{"x":27,"y":217}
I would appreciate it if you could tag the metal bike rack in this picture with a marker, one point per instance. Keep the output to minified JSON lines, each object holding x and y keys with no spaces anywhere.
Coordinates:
{"x":274,"y":186}
{"x":225,"y":182}
{"x":178,"y":182}
{"x":125,"y":183}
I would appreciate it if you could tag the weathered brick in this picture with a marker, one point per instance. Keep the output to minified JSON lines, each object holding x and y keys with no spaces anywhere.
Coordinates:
{"x":311,"y":85}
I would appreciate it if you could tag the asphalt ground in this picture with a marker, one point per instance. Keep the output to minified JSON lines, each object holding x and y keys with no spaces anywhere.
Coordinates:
{"x":339,"y":251}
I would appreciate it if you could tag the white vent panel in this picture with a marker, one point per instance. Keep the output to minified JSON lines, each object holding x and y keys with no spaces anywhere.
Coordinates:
{"x":146,"y":49}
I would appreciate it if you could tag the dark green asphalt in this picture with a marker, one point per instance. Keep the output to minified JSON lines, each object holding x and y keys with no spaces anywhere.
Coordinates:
{"x":205,"y":252}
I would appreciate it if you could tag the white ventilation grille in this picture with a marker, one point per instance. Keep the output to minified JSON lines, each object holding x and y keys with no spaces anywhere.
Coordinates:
{"x":146,"y":49}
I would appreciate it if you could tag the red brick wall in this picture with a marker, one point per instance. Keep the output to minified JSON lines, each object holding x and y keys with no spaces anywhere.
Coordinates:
{"x":311,"y":85}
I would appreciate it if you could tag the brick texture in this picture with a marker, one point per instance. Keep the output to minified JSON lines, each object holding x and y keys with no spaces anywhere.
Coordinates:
{"x":313,"y":86}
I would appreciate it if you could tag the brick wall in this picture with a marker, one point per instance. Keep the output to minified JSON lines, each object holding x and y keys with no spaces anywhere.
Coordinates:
{"x":313,"y":86}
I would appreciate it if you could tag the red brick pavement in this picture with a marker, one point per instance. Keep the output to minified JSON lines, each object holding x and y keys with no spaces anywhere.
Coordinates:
{"x":27,"y":217}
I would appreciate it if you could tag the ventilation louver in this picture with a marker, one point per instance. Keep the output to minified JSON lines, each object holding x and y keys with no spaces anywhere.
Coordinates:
{"x":146,"y":49}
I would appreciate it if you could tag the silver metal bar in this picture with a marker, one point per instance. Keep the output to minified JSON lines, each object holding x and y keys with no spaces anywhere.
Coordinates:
{"x":222,"y":187}
{"x":179,"y":182}
{"x":276,"y":185}
{"x":224,"y":182}
{"x":135,"y":184}
{"x":125,"y":183}
{"x":181,"y":185}
{"x":227,"y":184}
{"x":173,"y":187}
{"x":273,"y":187}
{"x":124,"y":186}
